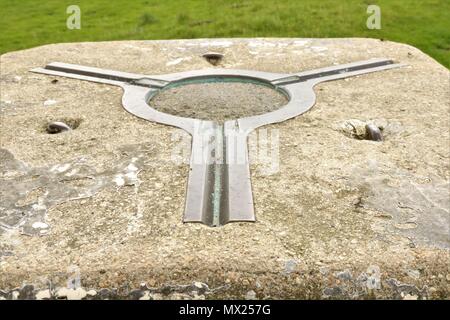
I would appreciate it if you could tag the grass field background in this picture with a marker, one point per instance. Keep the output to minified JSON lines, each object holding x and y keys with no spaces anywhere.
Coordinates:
{"x":28,"y":23}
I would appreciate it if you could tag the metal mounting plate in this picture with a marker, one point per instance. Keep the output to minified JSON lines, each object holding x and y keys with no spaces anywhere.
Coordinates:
{"x":219,"y":187}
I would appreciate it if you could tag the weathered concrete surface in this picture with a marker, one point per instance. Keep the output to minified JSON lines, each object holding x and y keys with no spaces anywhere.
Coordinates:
{"x":100,"y":207}
{"x":218,"y":101}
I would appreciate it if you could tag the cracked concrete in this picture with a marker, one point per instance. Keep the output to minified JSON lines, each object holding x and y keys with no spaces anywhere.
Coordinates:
{"x":95,"y":213}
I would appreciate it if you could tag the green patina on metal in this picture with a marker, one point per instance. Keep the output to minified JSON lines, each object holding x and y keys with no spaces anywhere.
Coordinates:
{"x":219,"y":79}
{"x":218,"y":175}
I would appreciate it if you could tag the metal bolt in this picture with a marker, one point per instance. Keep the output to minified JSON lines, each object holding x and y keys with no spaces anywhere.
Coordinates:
{"x":373,"y":133}
{"x":57,"y":127}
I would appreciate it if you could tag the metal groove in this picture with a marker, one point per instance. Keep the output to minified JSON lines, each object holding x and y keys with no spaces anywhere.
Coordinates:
{"x":218,"y":176}
{"x":339,"y":70}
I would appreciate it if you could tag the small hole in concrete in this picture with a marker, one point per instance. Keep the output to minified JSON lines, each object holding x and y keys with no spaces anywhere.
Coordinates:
{"x":218,"y":100}
{"x":61,"y":125}
{"x":213,"y":57}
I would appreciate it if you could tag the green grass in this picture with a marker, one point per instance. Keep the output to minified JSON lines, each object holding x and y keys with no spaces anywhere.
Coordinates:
{"x":421,"y":23}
